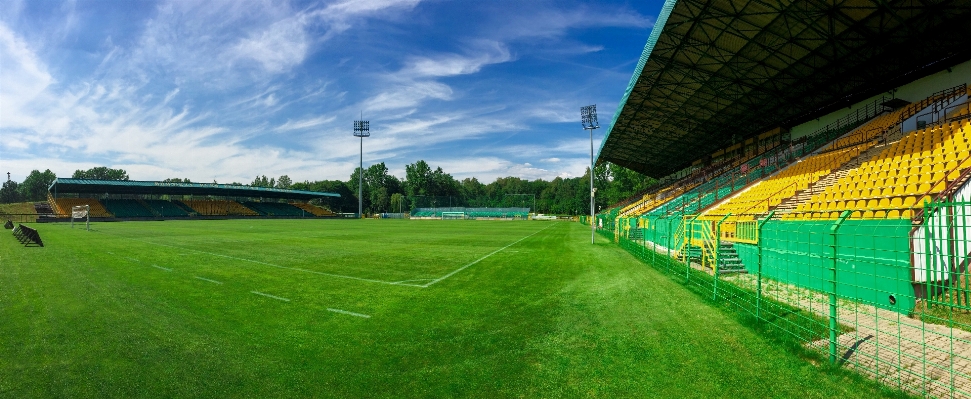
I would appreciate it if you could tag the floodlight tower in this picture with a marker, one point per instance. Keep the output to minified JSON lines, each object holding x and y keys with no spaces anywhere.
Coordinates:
{"x":361,"y":129}
{"x":588,"y":118}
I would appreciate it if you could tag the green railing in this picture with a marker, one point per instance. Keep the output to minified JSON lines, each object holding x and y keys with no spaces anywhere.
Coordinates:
{"x":888,"y":300}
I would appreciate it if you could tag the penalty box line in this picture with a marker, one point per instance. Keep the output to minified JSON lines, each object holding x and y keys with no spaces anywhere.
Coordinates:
{"x":481,"y":259}
{"x":297,"y":269}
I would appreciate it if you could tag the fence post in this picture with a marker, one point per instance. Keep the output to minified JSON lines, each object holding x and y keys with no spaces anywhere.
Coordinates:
{"x":758,"y":246}
{"x":689,"y":232}
{"x":669,"y":239}
{"x":834,"y":230}
{"x":718,"y":243}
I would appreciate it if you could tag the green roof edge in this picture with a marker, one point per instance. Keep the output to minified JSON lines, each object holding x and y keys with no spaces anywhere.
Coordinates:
{"x":662,"y":19}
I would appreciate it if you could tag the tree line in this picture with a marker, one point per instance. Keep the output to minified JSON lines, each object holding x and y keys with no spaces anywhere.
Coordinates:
{"x":421,"y":187}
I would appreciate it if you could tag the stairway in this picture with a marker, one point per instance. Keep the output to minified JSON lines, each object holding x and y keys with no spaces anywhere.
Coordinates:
{"x":43,"y":209}
{"x":728,"y":260}
{"x":819,"y":186}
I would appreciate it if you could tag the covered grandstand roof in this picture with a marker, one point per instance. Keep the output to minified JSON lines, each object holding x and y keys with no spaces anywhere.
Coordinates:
{"x":85,"y":186}
{"x":714,"y":73}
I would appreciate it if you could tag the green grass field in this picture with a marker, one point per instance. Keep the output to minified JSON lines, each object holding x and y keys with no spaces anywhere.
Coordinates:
{"x":370,"y":308}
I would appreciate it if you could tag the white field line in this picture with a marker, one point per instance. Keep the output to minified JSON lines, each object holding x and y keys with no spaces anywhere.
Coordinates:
{"x":272,"y":265}
{"x":349,"y":313}
{"x":271,"y":296}
{"x":211,"y":281}
{"x":402,"y":282}
{"x":138,"y":261}
{"x":482,"y":258}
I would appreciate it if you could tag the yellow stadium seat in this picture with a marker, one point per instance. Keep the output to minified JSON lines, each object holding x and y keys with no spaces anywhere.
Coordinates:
{"x":871,"y":204}
{"x":923,"y":188}
{"x":894,"y":214}
{"x":898,"y":189}
{"x":909,"y":202}
{"x":880,"y":214}
{"x":896,"y":202}
{"x":868,"y":214}
{"x":884,"y":203}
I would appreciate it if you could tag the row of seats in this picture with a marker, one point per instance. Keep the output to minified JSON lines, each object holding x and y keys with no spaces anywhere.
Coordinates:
{"x":770,"y":192}
{"x":126,"y":208}
{"x":219,"y":208}
{"x":651,"y":201}
{"x":313,"y":209}
{"x":165,"y":208}
{"x":274,"y":208}
{"x":63,"y":206}
{"x":899,"y":179}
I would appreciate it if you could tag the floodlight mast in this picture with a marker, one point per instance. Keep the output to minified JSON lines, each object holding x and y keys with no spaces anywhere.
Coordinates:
{"x":588,"y":118}
{"x":361,"y":129}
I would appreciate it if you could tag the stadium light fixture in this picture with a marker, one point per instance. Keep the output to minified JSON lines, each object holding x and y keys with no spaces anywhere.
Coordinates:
{"x":588,"y":118}
{"x":362,"y":129}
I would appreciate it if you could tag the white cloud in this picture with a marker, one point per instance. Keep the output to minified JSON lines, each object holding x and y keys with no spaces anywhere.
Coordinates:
{"x":550,"y":22}
{"x":305,"y":123}
{"x":278,"y":47}
{"x":23,"y":78}
{"x":485,"y":53}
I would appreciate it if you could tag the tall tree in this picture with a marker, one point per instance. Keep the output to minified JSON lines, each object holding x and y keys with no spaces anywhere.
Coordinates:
{"x":261,"y":181}
{"x":284,"y":182}
{"x":34,"y":187}
{"x":9,"y":193}
{"x":397,"y":202}
{"x":418,"y":179}
{"x":101,"y":173}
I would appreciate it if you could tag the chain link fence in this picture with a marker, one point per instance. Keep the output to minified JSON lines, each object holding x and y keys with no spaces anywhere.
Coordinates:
{"x":887,"y":297}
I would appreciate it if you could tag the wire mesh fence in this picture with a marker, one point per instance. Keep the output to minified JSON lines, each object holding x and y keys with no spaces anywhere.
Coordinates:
{"x":887,"y":297}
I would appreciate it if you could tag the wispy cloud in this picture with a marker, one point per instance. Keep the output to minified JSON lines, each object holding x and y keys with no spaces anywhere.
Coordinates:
{"x":226,"y":90}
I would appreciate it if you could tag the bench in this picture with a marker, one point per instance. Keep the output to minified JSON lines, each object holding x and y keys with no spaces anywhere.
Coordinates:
{"x":27,"y":236}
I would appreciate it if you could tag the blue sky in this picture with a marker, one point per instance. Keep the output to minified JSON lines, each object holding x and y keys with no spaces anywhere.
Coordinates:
{"x":225,"y":91}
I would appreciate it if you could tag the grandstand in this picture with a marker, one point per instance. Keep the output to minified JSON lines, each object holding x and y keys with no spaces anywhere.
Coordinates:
{"x":858,"y":204}
{"x":146,"y":200}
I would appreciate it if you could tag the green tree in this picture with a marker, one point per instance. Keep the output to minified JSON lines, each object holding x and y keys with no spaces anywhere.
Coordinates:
{"x":176,"y":180}
{"x":9,"y":193}
{"x":418,"y":179}
{"x":34,"y":187}
{"x":397,"y":202}
{"x":261,"y":181}
{"x":101,"y":173}
{"x":284,"y":182}
{"x":378,"y":187}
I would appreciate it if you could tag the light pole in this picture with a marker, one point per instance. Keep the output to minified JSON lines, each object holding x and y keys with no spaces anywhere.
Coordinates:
{"x":361,"y":129}
{"x":588,"y":118}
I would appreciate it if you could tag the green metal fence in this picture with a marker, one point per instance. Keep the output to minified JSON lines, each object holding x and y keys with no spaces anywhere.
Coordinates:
{"x":885,"y":297}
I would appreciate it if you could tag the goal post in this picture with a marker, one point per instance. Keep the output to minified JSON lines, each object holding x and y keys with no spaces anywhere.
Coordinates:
{"x":453,"y":215}
{"x":81,"y":212}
